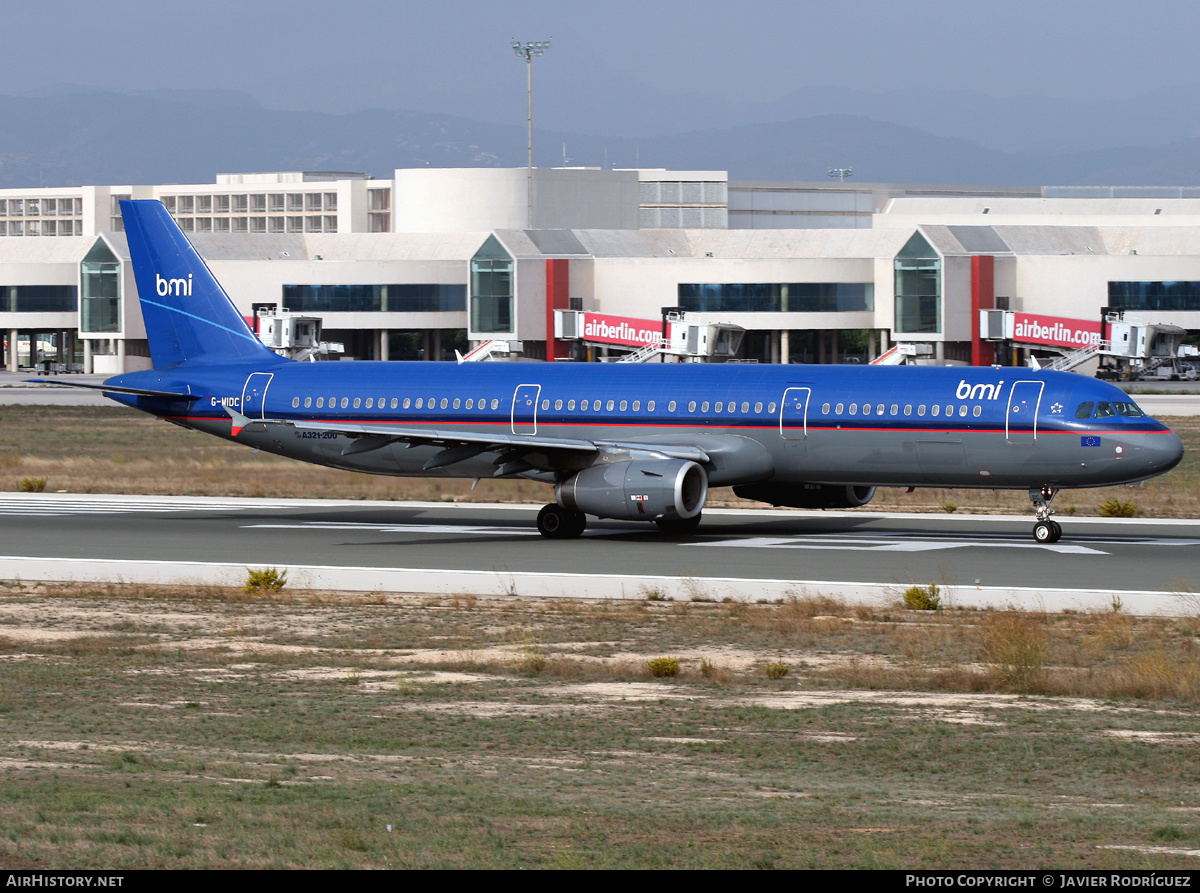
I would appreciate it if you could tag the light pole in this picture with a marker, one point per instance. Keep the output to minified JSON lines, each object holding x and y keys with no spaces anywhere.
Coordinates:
{"x":529,"y":50}
{"x":841,"y":173}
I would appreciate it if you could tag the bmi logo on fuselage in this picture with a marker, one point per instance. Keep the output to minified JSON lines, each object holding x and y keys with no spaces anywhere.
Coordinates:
{"x":979,"y":391}
{"x":175,"y":287}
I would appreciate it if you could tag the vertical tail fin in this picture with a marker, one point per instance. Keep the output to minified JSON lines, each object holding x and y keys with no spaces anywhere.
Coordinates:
{"x":189,"y":317}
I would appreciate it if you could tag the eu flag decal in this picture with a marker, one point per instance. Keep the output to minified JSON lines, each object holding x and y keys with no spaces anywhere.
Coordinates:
{"x":1089,"y":440}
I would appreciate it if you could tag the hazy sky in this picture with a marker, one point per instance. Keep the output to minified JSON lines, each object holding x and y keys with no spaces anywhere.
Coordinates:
{"x":454,"y":56}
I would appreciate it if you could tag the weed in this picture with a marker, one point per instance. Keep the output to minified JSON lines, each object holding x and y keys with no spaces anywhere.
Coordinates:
{"x":712,"y":671}
{"x":31,"y":485}
{"x":531,"y":655}
{"x":777,"y":670}
{"x":950,"y":507}
{"x":1015,"y":643}
{"x":923,"y":598}
{"x":654,"y":594}
{"x":1114,"y":507}
{"x":268,"y":579}
{"x":661,"y":667}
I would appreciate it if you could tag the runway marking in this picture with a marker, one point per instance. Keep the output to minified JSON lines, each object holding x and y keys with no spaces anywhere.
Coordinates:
{"x":400,"y":527}
{"x":865,"y":544}
{"x":51,"y":507}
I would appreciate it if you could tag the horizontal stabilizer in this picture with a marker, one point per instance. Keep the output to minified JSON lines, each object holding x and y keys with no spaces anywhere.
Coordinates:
{"x":118,"y":389}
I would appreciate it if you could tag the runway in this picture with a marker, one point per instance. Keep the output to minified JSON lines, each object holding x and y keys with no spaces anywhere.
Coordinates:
{"x":495,"y":550}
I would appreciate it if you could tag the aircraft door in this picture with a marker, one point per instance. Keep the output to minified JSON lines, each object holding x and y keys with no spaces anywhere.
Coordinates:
{"x":524,"y":408}
{"x":793,"y":413}
{"x":254,"y":395}
{"x":1023,"y":402}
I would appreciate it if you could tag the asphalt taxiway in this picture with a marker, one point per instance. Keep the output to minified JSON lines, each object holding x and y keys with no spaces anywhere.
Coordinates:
{"x":496,"y":550}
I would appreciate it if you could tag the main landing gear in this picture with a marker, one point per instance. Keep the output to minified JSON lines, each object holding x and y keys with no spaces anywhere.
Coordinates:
{"x":556,"y":523}
{"x":1045,"y":530}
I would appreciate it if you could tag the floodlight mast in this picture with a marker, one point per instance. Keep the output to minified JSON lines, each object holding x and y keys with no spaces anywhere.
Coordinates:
{"x":841,"y":173}
{"x":529,"y":49}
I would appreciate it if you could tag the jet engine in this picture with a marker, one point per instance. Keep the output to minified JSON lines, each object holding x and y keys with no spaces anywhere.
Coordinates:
{"x":807,"y":496}
{"x":638,"y":490}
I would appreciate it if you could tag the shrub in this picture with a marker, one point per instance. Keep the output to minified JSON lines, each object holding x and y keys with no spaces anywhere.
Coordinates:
{"x":777,"y":670}
{"x":1015,"y":641}
{"x":663,"y":666}
{"x":950,"y":507}
{"x":1117,"y":508}
{"x":923,"y":598}
{"x":268,"y":579}
{"x":32,"y":485}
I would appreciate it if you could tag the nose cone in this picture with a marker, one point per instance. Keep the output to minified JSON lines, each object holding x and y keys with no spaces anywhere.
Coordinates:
{"x":1168,"y":452}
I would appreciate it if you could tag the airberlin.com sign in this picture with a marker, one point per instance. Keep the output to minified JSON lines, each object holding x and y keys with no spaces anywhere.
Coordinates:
{"x":604,"y":329}
{"x":1056,"y":331}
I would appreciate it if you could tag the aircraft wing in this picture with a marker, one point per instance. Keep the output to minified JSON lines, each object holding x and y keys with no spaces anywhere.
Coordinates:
{"x":517,"y":452}
{"x":137,"y":392}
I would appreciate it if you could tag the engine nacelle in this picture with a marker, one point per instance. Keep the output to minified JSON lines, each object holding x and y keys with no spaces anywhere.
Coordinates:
{"x":807,"y":496}
{"x":639,"y":490}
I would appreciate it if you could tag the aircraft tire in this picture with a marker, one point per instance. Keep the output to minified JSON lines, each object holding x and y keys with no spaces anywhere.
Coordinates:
{"x":679,"y":525}
{"x":1043,"y":532}
{"x":556,"y":523}
{"x":1057,"y":531}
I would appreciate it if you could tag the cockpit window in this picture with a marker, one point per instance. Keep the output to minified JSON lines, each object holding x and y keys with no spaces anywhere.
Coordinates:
{"x":1105,"y":411}
{"x":1085,"y":410}
{"x":1129,"y":410}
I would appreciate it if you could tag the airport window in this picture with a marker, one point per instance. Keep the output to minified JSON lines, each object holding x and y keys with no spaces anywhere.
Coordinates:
{"x":495,"y":403}
{"x":692,"y":406}
{"x":49,"y":227}
{"x":240,"y":203}
{"x":258,"y":224}
{"x":221,"y":225}
{"x":187,"y":224}
{"x":918,"y":287}
{"x":275,"y":203}
{"x":204,"y":224}
{"x":330,"y":224}
{"x":239,"y":225}
{"x":295,"y":201}
{"x":220,"y":204}
{"x":295,"y":224}
{"x":977,"y":411}
{"x":295,"y":402}
{"x":3,"y":206}
{"x":16,"y":207}
{"x":491,"y":288}
{"x":15,"y":228}
{"x":39,"y":298}
{"x":330,"y":201}
{"x":312,"y":201}
{"x":275,"y":224}
{"x":379,"y":199}
{"x":312,"y":224}
{"x":100,"y":290}
{"x":1177,"y":296}
{"x":258,"y":203}
{"x":402,"y":298}
{"x":204,"y":204}
{"x":545,"y":404}
{"x":187,"y":204}
{"x":320,"y":402}
{"x":775,"y":297}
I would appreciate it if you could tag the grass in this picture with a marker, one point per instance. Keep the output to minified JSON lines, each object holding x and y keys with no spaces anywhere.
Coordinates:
{"x":158,"y":728}
{"x":118,"y":450}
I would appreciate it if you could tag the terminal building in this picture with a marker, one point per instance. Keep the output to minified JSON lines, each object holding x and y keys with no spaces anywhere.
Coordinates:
{"x":434,"y":261}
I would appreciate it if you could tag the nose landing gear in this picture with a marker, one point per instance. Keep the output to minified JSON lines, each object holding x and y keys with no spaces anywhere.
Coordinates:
{"x":1045,"y":530}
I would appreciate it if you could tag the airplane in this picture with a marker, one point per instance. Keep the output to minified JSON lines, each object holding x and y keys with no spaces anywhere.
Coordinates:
{"x":628,"y":441}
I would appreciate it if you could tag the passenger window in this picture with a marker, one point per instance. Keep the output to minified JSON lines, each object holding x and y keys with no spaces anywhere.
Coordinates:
{"x":295,"y":402}
{"x":624,"y":405}
{"x":770,"y":407}
{"x":895,"y":409}
{"x":320,"y":402}
{"x":691,"y":406}
{"x":307,"y":402}
{"x":420,"y":402}
{"x":495,"y":403}
{"x":650,"y":406}
{"x":394,"y":402}
{"x":1105,"y":411}
{"x":557,"y":405}
{"x":704,"y":406}
{"x":732,"y":407}
{"x":357,"y":402}
{"x":824,"y":409}
{"x":719,"y":406}
{"x":407,"y":402}
{"x":610,"y":406}
{"x":921,"y":410}
{"x":458,"y":403}
{"x":908,"y":409}
{"x":853,"y":409}
{"x":443,"y":404}
{"x":879,"y":409}
{"x":758,"y":407}
{"x":935,"y":410}
{"x":1085,"y":410}
{"x":962,"y":411}
{"x":949,"y":409}
{"x":345,"y":402}
{"x":571,"y":405}
{"x":545,"y":404}
{"x":370,"y":402}
{"x":839,"y":409}
{"x":637,"y":404}
{"x":977,"y":411}
{"x":470,"y":403}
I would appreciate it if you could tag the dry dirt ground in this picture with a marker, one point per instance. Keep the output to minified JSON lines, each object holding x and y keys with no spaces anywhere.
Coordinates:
{"x":213,"y":728}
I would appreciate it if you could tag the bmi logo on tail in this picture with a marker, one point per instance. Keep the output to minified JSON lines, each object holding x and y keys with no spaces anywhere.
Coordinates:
{"x":172,"y":286}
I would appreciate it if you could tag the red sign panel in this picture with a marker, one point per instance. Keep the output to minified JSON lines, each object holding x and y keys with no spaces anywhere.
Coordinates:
{"x":1057,"y":331}
{"x":604,"y":329}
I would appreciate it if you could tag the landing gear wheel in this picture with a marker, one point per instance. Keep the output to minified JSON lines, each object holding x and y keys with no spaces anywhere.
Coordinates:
{"x":1043,"y":532}
{"x":1057,"y":531}
{"x":678,"y":525}
{"x":556,"y":523}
